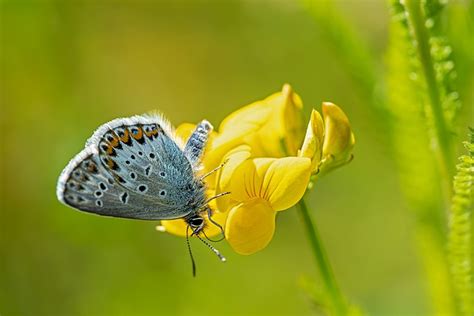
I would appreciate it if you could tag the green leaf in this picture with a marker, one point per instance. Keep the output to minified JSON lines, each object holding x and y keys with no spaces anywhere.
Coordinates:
{"x":443,"y":62}
{"x":460,"y":230}
{"x":423,"y":160}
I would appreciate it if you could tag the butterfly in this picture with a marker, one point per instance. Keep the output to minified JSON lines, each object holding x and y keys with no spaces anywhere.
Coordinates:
{"x":138,"y":168}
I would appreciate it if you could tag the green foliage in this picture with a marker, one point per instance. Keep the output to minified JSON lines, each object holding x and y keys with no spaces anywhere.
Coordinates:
{"x":331,"y":299}
{"x":322,"y":302}
{"x":443,"y":63}
{"x":420,"y":107}
{"x":460,"y":230}
{"x":459,"y":26}
{"x":340,"y":34}
{"x":354,"y":53}
{"x":407,"y":100}
{"x":68,"y":67}
{"x":412,"y":131}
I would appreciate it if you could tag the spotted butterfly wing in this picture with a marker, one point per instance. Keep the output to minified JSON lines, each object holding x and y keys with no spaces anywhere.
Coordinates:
{"x":134,"y":168}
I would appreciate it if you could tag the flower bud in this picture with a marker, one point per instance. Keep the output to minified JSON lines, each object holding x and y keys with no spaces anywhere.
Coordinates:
{"x":338,"y":138}
{"x":313,"y":142}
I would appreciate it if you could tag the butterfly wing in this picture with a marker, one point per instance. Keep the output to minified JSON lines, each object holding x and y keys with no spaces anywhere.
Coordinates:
{"x":132,"y":168}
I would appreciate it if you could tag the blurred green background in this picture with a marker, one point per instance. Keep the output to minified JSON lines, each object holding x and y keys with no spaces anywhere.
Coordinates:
{"x":67,"y":67}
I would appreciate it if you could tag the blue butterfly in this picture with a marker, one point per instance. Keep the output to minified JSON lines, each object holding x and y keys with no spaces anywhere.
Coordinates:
{"x":137,"y":168}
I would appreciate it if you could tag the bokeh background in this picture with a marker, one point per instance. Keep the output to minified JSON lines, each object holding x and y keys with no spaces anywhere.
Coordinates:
{"x":69,"y":66}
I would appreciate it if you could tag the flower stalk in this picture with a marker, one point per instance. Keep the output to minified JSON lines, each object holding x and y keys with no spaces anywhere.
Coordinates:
{"x":336,"y":299}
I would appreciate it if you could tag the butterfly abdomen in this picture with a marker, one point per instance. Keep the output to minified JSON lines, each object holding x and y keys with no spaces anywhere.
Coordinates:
{"x":197,"y":142}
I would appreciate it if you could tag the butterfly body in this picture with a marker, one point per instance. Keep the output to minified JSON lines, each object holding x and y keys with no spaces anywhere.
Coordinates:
{"x":137,"y":168}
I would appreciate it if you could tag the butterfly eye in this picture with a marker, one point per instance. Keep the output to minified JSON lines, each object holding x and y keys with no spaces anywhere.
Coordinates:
{"x":162,"y":192}
{"x":196,"y":222}
{"x":163,"y":174}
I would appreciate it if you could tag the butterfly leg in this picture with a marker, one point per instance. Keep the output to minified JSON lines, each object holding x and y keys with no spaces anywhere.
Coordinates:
{"x":209,"y":216}
{"x":197,"y":142}
{"x":216,"y":196}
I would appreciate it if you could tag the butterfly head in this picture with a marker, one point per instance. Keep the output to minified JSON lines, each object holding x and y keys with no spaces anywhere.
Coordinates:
{"x":196,"y":223}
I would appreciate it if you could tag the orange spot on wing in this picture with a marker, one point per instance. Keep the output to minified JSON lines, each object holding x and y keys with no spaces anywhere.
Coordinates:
{"x":126,"y":136}
{"x":111,"y":163}
{"x":110,"y":150}
{"x":151,"y":133}
{"x":139,"y":135}
{"x":114,"y":143}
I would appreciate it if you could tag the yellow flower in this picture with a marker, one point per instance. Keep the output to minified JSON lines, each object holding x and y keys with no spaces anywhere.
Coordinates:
{"x":265,"y":171}
{"x":273,"y":127}
{"x":328,"y":143}
{"x":260,"y":187}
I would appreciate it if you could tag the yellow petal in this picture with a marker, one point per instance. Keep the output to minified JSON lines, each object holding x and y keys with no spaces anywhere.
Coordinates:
{"x":338,"y":139}
{"x":178,"y":226}
{"x":250,"y":226}
{"x":249,"y":118}
{"x":282,"y":182}
{"x":293,"y":120}
{"x":234,"y":159}
{"x":220,"y":145}
{"x":313,"y":143}
{"x":273,"y":127}
{"x":286,"y":181}
{"x":242,"y":126}
{"x":247,"y":180}
{"x":175,"y":227}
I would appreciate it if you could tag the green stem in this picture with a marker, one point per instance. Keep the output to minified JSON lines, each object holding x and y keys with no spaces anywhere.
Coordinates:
{"x":337,"y":300}
{"x":441,"y":130}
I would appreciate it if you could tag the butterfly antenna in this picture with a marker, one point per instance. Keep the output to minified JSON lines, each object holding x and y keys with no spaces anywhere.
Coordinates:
{"x":190,"y":252}
{"x":221,"y":257}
